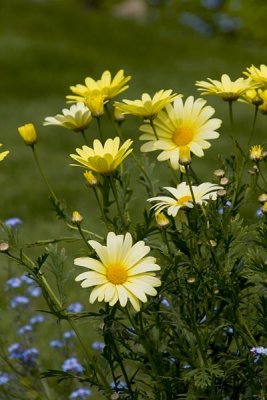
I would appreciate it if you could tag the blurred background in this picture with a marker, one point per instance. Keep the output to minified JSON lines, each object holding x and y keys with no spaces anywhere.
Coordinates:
{"x":48,"y":45}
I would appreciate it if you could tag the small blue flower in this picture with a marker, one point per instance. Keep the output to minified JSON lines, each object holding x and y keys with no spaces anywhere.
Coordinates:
{"x":220,"y":211}
{"x":121,"y":385}
{"x":230,"y":330}
{"x":81,"y":393}
{"x":19,"y":300}
{"x":34,"y":291}
{"x":37,"y":319}
{"x":26,"y":278}
{"x":196,"y":23}
{"x":72,"y":365}
{"x":4,"y":378}
{"x":228,"y":203}
{"x":29,"y":357}
{"x":13,"y":222}
{"x":15,"y":351}
{"x":98,"y":345}
{"x":69,"y":335}
{"x":165,"y":303}
{"x":24,"y":329}
{"x":14,"y":283}
{"x":259,"y":350}
{"x":212,"y":4}
{"x":75,"y":307}
{"x":56,"y":344}
{"x":259,"y":213}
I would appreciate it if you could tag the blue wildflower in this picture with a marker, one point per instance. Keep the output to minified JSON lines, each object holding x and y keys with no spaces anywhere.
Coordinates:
{"x":98,"y":345}
{"x":165,"y":303}
{"x":4,"y":378}
{"x":29,"y":356}
{"x":56,"y":344}
{"x":228,"y":203}
{"x":75,"y":307}
{"x":72,"y":365}
{"x":19,"y":300}
{"x":120,"y":385}
{"x":37,"y":319}
{"x":13,"y":283}
{"x":212,"y":4}
{"x":13,"y":222}
{"x":196,"y":23}
{"x":259,"y":350}
{"x":69,"y":335}
{"x":81,"y":393}
{"x":15,"y":351}
{"x":226,"y":23}
{"x":24,"y":329}
{"x":259,"y":213}
{"x":27,"y":279}
{"x":34,"y":291}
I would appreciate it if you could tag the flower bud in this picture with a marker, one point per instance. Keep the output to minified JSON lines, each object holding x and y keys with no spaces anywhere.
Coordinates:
{"x":185,"y":156}
{"x":262,"y":198}
{"x":257,"y":101}
{"x":219,"y":173}
{"x":76,"y":217}
{"x":191,"y":279}
{"x":221,"y":192}
{"x":95,"y":103}
{"x":162,"y":220}
{"x":118,"y":115}
{"x":4,"y":246}
{"x":28,"y":134}
{"x":90,"y":178}
{"x":224,"y":181}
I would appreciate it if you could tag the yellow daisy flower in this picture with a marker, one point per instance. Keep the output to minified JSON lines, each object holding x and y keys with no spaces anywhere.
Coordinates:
{"x":182,"y":197}
{"x":3,"y":154}
{"x":252,"y":96}
{"x":103,"y":159}
{"x":147,"y":107}
{"x":257,"y":75}
{"x":108,"y":87}
{"x":77,"y":118}
{"x":228,"y":90}
{"x":123,"y":271}
{"x":181,"y":129}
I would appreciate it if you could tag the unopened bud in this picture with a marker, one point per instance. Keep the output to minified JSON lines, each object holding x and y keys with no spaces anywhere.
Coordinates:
{"x":4,"y":246}
{"x":90,"y":178}
{"x":118,"y":115}
{"x":262,"y":198}
{"x":264,"y":207}
{"x":191,"y":279}
{"x":221,"y":192}
{"x":219,"y":173}
{"x":216,"y":291}
{"x":115,"y":396}
{"x":184,"y":156}
{"x":76,"y":217}
{"x":224,"y":181}
{"x":213,"y":243}
{"x":162,"y":220}
{"x":28,"y":134}
{"x":257,"y":101}
{"x":95,"y":102}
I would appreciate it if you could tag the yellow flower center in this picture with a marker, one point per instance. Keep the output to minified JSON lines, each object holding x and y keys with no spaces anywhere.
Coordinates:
{"x":183,"y":136}
{"x":117,"y":274}
{"x":183,"y":199}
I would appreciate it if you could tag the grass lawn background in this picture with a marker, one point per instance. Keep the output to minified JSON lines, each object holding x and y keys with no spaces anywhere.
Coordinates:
{"x":46,"y":46}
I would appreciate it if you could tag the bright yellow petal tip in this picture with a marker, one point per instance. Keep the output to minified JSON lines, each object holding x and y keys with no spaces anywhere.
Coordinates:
{"x":28,"y":134}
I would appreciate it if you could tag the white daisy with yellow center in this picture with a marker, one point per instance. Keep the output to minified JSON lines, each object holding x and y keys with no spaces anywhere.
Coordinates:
{"x":123,"y":272}
{"x":76,"y":118}
{"x":181,"y":129}
{"x":182,"y":197}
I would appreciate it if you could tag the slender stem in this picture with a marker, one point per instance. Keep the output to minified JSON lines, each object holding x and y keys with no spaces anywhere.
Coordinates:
{"x":114,"y":191}
{"x":84,"y":136}
{"x":100,"y":129}
{"x":42,"y":174}
{"x":116,"y":128}
{"x":154,"y":128}
{"x":253,"y":124}
{"x":83,"y":236}
{"x":100,"y":207}
{"x":85,"y":231}
{"x":244,"y":323}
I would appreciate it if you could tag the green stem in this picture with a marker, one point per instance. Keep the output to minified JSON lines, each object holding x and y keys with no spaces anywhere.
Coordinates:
{"x":244,"y":323}
{"x":114,"y":191}
{"x":154,"y":128}
{"x":253,"y":124}
{"x":101,"y":207}
{"x":42,"y":174}
{"x":83,"y":236}
{"x":100,"y":129}
{"x":86,"y":231}
{"x":84,"y":137}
